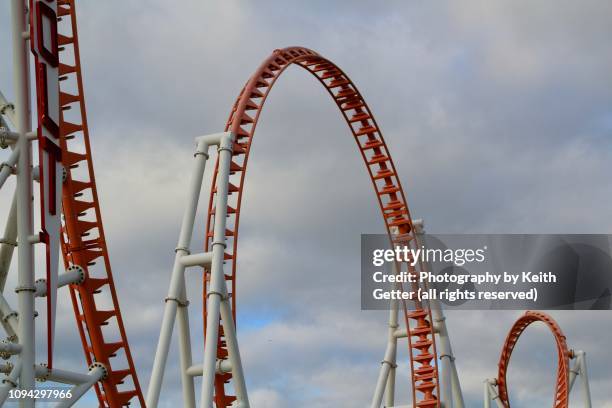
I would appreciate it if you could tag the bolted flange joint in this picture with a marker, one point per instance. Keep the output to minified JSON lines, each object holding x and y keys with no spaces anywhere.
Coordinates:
{"x":25,"y":289}
{"x":45,"y":375}
{"x":79,"y":270}
{"x":179,"y":302}
{"x":97,"y":364}
{"x":389,"y":363}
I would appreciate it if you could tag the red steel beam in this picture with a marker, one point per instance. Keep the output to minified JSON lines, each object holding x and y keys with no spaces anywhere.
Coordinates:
{"x":83,"y":240}
{"x":389,"y":194}
{"x":561,"y":399}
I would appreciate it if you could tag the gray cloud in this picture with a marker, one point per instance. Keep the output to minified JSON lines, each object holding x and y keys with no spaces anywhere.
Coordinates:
{"x":498,"y":116}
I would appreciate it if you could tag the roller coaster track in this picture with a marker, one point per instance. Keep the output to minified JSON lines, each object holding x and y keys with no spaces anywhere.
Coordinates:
{"x":561,"y":399}
{"x":373,"y":149}
{"x":83,"y":243}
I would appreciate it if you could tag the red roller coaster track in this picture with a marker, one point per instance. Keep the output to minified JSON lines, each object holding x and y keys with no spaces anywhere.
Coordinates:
{"x":101,"y":330}
{"x":83,"y":242}
{"x":563,"y":355}
{"x":242,"y":123}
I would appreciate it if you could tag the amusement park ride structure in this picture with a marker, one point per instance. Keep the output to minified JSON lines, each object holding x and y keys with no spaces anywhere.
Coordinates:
{"x":46,"y":29}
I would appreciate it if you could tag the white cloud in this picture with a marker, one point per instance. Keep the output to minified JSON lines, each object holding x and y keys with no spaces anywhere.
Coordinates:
{"x":494,"y":115}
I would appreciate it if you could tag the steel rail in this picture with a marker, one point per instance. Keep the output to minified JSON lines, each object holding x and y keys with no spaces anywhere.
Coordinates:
{"x":83,"y":240}
{"x":390,"y":195}
{"x":561,"y":399}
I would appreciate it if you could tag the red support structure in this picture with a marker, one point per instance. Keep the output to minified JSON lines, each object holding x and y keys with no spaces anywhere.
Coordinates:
{"x":83,"y":242}
{"x":393,"y":206}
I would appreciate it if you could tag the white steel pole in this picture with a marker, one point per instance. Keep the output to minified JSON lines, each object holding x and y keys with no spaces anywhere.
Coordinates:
{"x":6,"y":167}
{"x":229,"y":329}
{"x":487,"y":395}
{"x":580,"y":369}
{"x":25,"y":288}
{"x":389,"y":361}
{"x":10,"y":242}
{"x":393,"y":326}
{"x":10,"y":382}
{"x":446,"y":358}
{"x":451,"y":394}
{"x":586,"y":389}
{"x":94,"y":375}
{"x":7,"y":109}
{"x":217,"y":293}
{"x":456,"y":384}
{"x":185,"y":349}
{"x":492,"y":393}
{"x":178,"y":276}
{"x":10,"y":322}
{"x":386,"y":366}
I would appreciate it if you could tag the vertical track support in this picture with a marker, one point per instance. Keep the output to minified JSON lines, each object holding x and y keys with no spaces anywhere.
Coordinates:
{"x":7,"y":247}
{"x":491,"y":395}
{"x":218,"y":307}
{"x":177,"y":302}
{"x":580,"y":369}
{"x":53,"y":65}
{"x":451,"y":394}
{"x":25,"y":288}
{"x":176,"y":293}
{"x":385,"y":385}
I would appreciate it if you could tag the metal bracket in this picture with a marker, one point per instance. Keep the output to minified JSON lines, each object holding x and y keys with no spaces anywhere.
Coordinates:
{"x":179,"y":302}
{"x":101,"y":366}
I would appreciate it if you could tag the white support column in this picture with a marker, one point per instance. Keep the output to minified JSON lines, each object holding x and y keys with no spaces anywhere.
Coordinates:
{"x":491,"y":394}
{"x":185,"y":350}
{"x":25,"y":289}
{"x":75,"y":275}
{"x":177,"y":280}
{"x":392,"y":341}
{"x":9,"y":242}
{"x":96,"y":373}
{"x":10,"y":382}
{"x":486,"y":395}
{"x":7,"y":109}
{"x":450,"y":388}
{"x":6,"y":168}
{"x":580,"y":369}
{"x":217,"y":302}
{"x":586,"y":389}
{"x":10,"y":322}
{"x":231,"y":339}
{"x":63,"y":376}
{"x":385,"y":385}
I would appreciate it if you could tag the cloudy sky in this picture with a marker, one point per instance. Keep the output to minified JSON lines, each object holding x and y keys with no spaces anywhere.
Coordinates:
{"x":499,"y":117}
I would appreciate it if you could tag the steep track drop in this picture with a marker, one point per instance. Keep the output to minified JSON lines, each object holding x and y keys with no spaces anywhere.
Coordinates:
{"x":83,"y":243}
{"x":393,"y":206}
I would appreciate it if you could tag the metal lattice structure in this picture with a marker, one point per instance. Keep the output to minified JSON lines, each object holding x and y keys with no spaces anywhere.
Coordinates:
{"x":83,"y":242}
{"x":377,"y":158}
{"x":222,"y":367}
{"x":46,"y":31}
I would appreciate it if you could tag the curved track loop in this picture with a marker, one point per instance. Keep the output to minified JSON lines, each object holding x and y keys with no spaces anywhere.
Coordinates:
{"x":83,"y":243}
{"x":562,"y":386}
{"x":242,"y":122}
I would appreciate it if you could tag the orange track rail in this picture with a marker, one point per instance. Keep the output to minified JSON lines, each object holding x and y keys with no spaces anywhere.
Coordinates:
{"x":83,"y":241}
{"x":563,"y":355}
{"x":242,"y":122}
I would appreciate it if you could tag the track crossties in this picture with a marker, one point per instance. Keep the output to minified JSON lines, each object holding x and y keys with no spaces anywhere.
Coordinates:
{"x":377,"y":159}
{"x":83,"y":243}
{"x":562,"y":387}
